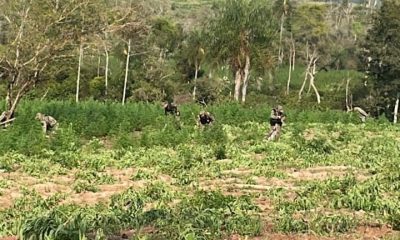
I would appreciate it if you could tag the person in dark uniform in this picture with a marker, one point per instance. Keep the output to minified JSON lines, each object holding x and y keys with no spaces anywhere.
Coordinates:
{"x":205,"y":118}
{"x":171,"y":108}
{"x":276,"y":121}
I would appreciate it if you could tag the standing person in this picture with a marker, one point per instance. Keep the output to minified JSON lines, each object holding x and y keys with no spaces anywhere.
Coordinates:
{"x":276,"y":120}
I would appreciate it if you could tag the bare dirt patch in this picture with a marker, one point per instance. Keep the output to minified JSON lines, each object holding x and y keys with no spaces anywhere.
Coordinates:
{"x":372,"y":233}
{"x":323,"y":173}
{"x":264,"y":204}
{"x":8,"y":197}
{"x":361,"y":233}
{"x":9,"y":238}
{"x":104,"y":194}
{"x":49,"y":188}
{"x":239,"y":172}
{"x":318,"y":173}
{"x":64,"y":184}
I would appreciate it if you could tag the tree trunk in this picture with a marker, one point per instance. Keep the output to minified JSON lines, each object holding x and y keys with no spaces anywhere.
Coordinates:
{"x":13,"y":101}
{"x":5,"y":122}
{"x":396,"y":109}
{"x":280,"y":52}
{"x":106,"y":71}
{"x":312,"y":77}
{"x":290,"y":71}
{"x":238,"y":79}
{"x":307,"y":51}
{"x":348,"y":108}
{"x":271,"y":81}
{"x":246,"y":78}
{"x":17,"y":99}
{"x":310,"y":73}
{"x":259,"y":84}
{"x":306,"y":73}
{"x":98,"y":65}
{"x":10,"y":101}
{"x":45,"y":94}
{"x":78,"y":79}
{"x":351,"y":101}
{"x":282,"y":22}
{"x":293,"y":53}
{"x":309,"y":86}
{"x":161,"y":55}
{"x":9,"y":96}
{"x":305,"y":79}
{"x":126,"y":71}
{"x":196,"y":72}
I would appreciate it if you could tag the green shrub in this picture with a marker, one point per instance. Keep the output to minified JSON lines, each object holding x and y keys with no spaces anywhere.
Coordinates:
{"x":24,"y":135}
{"x":220,"y":152}
{"x":210,"y":215}
{"x":394,"y":220}
{"x":84,"y":186}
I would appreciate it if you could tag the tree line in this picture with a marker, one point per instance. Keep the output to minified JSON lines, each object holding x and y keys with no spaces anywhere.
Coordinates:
{"x":137,"y":50}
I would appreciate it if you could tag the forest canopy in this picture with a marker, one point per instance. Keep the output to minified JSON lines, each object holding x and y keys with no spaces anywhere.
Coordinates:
{"x":292,"y":52}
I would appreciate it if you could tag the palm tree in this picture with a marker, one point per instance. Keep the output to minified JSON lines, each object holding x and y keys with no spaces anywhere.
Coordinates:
{"x":239,"y":30}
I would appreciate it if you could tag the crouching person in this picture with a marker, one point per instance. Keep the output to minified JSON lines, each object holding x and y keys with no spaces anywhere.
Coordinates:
{"x":361,"y":114}
{"x":171,"y":108}
{"x":205,"y":118}
{"x":48,"y":122}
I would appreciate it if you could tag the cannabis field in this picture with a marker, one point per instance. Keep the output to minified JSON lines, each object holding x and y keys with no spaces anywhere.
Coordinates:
{"x":112,"y":172}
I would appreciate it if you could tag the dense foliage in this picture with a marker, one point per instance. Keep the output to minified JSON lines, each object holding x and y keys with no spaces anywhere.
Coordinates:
{"x":381,"y":56}
{"x":198,"y":49}
{"x":112,"y":170}
{"x":328,"y":173}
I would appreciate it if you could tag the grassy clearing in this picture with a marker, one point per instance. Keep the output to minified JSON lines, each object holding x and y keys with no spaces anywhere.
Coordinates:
{"x":328,"y":176}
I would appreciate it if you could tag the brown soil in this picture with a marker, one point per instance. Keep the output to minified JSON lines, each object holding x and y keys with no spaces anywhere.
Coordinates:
{"x":64,"y":184}
{"x":9,"y":238}
{"x":361,"y":233}
{"x":234,"y":183}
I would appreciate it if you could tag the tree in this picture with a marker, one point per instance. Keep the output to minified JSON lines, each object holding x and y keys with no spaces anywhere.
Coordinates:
{"x":132,"y":29}
{"x":283,"y":11}
{"x":92,"y":24}
{"x":39,"y":33}
{"x":165,"y":35}
{"x":158,"y":71}
{"x":239,"y":30}
{"x":194,"y":52}
{"x":381,"y":55}
{"x":311,"y":31}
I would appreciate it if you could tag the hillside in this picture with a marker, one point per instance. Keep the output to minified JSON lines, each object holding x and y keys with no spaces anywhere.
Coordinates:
{"x":328,"y":177}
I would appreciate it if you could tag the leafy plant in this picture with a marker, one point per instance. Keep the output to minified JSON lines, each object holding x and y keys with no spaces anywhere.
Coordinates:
{"x":84,"y":186}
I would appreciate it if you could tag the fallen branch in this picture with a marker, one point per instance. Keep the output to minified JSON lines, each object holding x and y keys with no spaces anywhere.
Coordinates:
{"x":45,"y":94}
{"x":261,"y":187}
{"x":8,"y":121}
